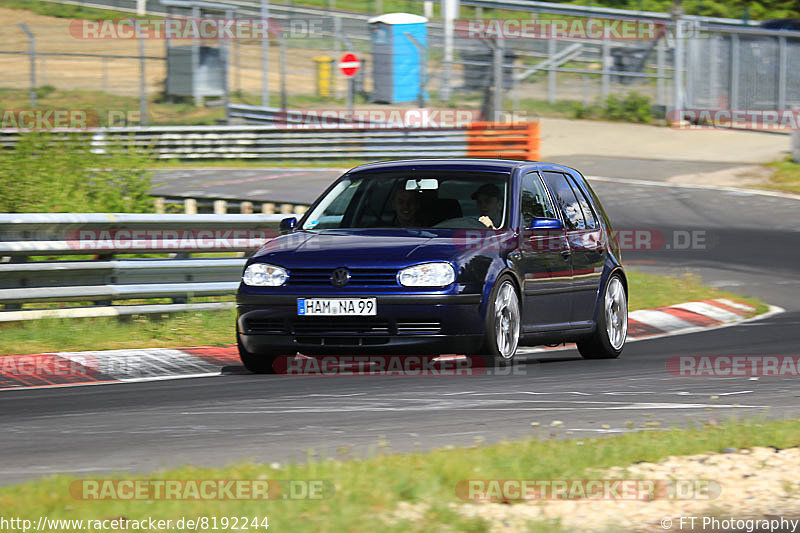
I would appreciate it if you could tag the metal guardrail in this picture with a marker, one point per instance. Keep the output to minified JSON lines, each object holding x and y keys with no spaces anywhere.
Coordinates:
{"x":108,"y":278}
{"x":279,"y":117}
{"x":342,"y":142}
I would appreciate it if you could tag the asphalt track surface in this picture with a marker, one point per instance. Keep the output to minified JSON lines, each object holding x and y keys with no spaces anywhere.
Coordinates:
{"x":752,"y":246}
{"x":302,"y":186}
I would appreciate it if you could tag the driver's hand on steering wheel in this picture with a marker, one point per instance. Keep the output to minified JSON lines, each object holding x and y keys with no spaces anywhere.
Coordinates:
{"x":486,"y":221}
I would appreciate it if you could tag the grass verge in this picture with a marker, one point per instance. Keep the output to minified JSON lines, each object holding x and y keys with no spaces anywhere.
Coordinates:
{"x":367,"y":491}
{"x":216,"y":327}
{"x":785,"y":177}
{"x":648,"y":291}
{"x":51,"y":9}
{"x":113,"y":110}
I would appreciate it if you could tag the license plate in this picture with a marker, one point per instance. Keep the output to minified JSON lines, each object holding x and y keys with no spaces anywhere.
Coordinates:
{"x":337,"y":306}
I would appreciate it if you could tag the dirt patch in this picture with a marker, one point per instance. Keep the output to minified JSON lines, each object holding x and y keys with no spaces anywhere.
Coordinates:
{"x":749,"y":484}
{"x":743,"y":176}
{"x":121,"y":76}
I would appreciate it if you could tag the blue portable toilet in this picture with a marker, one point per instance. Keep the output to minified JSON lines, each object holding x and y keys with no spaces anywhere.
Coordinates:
{"x":396,"y":71}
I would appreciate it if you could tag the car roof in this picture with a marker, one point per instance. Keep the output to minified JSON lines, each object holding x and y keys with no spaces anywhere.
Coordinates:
{"x":490,"y":165}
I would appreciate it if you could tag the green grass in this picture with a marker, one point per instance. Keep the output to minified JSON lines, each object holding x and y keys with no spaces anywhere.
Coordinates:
{"x":785,"y":177}
{"x":104,"y":105}
{"x":758,"y":11}
{"x":112,"y":110}
{"x":51,"y":9}
{"x":648,"y":291}
{"x":157,"y":331}
{"x":217,"y":327}
{"x":367,"y":491}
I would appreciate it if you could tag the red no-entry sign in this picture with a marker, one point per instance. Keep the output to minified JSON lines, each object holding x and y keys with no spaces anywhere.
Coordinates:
{"x":349,"y":64}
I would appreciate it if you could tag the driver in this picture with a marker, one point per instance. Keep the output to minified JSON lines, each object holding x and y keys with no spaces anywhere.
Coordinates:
{"x":489,"y":199}
{"x":407,"y":208}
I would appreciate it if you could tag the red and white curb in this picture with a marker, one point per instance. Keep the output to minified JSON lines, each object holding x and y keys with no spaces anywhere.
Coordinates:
{"x":64,"y":369}
{"x":679,"y":319}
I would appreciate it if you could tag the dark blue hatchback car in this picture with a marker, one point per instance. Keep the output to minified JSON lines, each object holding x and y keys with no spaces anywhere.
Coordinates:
{"x":453,"y":256}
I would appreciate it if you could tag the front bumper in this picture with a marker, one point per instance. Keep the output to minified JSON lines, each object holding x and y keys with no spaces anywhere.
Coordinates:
{"x":421,"y":324}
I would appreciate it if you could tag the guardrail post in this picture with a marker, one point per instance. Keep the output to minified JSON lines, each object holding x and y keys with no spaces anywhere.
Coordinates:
{"x":300,"y":209}
{"x":286,"y":209}
{"x":551,"y":72}
{"x":606,"y":77}
{"x":160,"y":206}
{"x":220,"y":207}
{"x":246,"y":208}
{"x":32,"y":53}
{"x":268,"y":208}
{"x":190,"y":206}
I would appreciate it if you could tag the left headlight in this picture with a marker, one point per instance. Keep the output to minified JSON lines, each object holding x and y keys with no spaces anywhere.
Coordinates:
{"x":264,"y":275}
{"x":427,"y":275}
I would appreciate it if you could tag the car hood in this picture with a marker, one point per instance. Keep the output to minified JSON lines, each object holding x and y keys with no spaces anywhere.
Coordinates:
{"x":368,"y":248}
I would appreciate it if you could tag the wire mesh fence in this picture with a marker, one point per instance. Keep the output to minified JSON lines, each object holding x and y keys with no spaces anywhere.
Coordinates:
{"x":715,"y":66}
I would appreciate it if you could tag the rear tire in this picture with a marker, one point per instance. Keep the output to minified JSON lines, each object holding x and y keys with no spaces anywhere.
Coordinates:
{"x":257,"y":363}
{"x":608,"y":339}
{"x":503,"y":319}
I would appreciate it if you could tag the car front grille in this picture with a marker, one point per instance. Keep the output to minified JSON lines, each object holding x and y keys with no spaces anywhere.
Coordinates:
{"x":265,"y":325}
{"x":419,"y":328}
{"x":359,"y":277}
{"x":316,"y":326}
{"x":340,"y":326}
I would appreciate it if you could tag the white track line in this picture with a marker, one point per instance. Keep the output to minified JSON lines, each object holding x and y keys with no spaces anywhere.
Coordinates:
{"x":775,"y":194}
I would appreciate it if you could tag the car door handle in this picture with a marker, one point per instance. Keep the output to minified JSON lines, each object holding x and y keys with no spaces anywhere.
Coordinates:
{"x":566,"y":253}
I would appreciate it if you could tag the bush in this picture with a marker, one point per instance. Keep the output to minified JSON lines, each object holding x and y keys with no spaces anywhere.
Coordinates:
{"x":633,"y":108}
{"x":42,"y":176}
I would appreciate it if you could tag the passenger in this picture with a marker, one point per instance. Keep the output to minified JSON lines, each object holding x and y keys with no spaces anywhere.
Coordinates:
{"x":490,"y":205}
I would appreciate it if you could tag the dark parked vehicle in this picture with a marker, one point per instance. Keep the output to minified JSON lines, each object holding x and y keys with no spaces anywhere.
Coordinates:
{"x":455,"y":256}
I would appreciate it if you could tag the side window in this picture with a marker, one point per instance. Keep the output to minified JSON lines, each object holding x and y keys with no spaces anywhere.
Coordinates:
{"x":566,"y":200}
{"x":588,"y":214}
{"x":534,"y":201}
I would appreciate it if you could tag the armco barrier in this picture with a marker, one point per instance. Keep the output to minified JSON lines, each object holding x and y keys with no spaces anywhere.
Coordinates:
{"x":512,"y":141}
{"x":108,"y":277}
{"x":485,"y":139}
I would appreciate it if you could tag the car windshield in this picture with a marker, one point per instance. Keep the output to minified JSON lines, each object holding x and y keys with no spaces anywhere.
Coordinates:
{"x":450,"y":200}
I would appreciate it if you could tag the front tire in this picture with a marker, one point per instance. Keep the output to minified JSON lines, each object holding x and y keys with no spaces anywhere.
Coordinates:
{"x":502,"y":325}
{"x":608,"y":339}
{"x":255,"y":362}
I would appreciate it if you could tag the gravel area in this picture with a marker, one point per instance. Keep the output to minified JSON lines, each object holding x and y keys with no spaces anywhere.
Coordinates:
{"x":745,"y":484}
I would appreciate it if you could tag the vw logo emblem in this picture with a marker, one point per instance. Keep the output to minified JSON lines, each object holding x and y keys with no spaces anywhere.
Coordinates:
{"x":340,"y":277}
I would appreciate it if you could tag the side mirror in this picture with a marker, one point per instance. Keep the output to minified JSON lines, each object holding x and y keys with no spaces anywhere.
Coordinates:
{"x":288,"y":225}
{"x":541,"y":223}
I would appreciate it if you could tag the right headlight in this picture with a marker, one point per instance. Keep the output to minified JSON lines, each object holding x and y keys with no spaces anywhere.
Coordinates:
{"x":264,"y":275}
{"x":427,"y":275}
